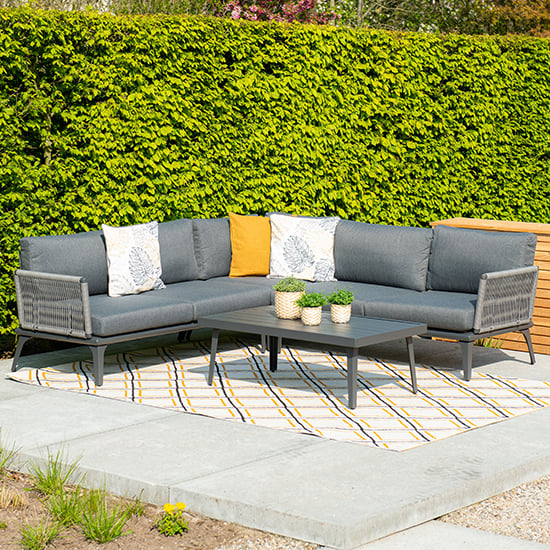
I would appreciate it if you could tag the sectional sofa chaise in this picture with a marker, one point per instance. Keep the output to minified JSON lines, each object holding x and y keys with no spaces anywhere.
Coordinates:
{"x":464,"y":284}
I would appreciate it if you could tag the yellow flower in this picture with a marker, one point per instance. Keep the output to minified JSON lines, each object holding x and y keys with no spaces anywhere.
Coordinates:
{"x":180,"y":506}
{"x":169,"y":508}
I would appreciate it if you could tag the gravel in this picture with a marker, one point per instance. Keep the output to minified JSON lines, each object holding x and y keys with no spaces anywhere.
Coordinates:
{"x":523,"y":512}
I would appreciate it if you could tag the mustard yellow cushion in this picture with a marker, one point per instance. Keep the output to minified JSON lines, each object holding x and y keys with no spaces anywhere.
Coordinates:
{"x":250,"y":245}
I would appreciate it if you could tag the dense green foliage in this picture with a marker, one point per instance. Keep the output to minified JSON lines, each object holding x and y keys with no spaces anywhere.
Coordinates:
{"x":128,"y":119}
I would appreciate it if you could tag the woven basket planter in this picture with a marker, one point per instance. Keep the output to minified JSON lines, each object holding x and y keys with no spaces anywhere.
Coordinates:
{"x":312,"y":315}
{"x":339,"y":313}
{"x":285,"y":305}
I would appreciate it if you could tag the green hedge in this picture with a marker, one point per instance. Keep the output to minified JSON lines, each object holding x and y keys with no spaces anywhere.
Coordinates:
{"x":128,"y":119}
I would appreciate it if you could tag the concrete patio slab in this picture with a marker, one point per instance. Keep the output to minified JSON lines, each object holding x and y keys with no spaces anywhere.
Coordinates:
{"x":341,"y":495}
{"x":153,"y":456}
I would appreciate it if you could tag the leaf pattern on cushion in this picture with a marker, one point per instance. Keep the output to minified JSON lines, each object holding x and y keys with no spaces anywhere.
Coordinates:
{"x":297,"y":254}
{"x":140,"y":266}
{"x":324,"y":270}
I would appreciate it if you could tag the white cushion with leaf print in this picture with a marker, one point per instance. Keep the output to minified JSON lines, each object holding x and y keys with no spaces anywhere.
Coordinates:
{"x":133,"y":258}
{"x":302,"y":247}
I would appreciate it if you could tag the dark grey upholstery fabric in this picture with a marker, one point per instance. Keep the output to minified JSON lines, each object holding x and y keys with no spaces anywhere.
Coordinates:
{"x":177,"y":303}
{"x":177,"y":251}
{"x":215,"y":296}
{"x":148,"y":310}
{"x":442,"y":310}
{"x":460,"y":256}
{"x":81,"y":255}
{"x":212,"y":247}
{"x":382,"y":254}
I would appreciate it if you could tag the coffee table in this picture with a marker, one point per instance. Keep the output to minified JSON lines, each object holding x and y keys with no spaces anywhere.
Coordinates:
{"x":359,"y":332}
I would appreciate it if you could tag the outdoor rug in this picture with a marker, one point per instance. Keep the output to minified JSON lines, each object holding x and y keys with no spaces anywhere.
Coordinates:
{"x":307,"y":394}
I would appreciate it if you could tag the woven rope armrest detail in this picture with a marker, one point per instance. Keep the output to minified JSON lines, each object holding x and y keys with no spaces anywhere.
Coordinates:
{"x":58,"y":304}
{"x":505,"y":299}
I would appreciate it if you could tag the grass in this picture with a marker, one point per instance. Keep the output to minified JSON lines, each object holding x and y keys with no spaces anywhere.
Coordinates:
{"x":11,"y":499}
{"x":7,"y":454}
{"x":102,"y":522}
{"x":67,"y":507}
{"x":40,"y":534}
{"x":52,"y":479}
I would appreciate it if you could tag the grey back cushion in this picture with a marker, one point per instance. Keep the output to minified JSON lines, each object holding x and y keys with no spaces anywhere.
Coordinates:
{"x":212,"y":247}
{"x":177,"y":251}
{"x":82,"y":255}
{"x":382,"y":254}
{"x":460,"y":256}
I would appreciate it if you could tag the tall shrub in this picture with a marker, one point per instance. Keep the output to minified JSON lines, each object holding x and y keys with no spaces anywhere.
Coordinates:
{"x":127,"y":119}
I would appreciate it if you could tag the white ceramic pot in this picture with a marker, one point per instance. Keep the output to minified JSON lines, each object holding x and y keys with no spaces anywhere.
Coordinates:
{"x":312,"y":315}
{"x":339,"y":313}
{"x":285,"y":305}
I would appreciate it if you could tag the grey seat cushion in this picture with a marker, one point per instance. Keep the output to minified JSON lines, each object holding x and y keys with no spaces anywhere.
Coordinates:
{"x":382,"y":254}
{"x":212,"y":247}
{"x":176,"y":304}
{"x":452,"y":311}
{"x":81,"y":255}
{"x":460,"y":256}
{"x":359,"y":289}
{"x":177,"y":251}
{"x":218,"y":296}
{"x":136,"y":312}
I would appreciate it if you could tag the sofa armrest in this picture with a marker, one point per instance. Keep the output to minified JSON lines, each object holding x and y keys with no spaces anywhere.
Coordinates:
{"x":53,"y":303}
{"x":505,"y":299}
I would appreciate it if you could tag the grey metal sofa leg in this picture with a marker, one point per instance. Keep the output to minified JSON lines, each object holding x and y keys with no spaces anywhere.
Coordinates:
{"x":263,"y":343}
{"x":21,"y":340}
{"x":467,"y":348}
{"x":527,"y":336}
{"x":184,"y":336}
{"x":98,"y":354}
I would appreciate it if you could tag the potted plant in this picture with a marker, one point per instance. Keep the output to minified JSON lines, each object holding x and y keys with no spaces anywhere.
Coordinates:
{"x":287,"y":291}
{"x":340,"y":305}
{"x":312,"y":305}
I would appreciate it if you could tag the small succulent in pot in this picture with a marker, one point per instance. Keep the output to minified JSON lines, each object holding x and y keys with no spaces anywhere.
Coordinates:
{"x":311,"y":305}
{"x":287,"y":291}
{"x":340,"y":308}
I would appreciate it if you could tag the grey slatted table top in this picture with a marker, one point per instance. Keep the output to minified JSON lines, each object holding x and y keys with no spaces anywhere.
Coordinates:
{"x":359,"y":332}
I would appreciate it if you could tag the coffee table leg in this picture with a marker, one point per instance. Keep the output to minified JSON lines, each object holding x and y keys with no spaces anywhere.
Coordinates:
{"x":410,"y":351}
{"x":273,"y":352}
{"x":213,"y":349}
{"x":352,"y":378}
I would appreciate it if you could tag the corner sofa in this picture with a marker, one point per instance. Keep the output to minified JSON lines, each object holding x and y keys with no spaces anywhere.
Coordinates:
{"x":464,"y":284}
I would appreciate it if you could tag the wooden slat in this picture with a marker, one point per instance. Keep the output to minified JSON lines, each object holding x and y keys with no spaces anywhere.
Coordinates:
{"x":518,"y":337}
{"x":497,"y":225}
{"x":542,"y":303}
{"x":543,"y":292}
{"x":521,"y":346}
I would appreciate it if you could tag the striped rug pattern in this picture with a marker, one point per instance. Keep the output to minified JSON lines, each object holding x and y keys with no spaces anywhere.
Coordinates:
{"x":307,"y":394}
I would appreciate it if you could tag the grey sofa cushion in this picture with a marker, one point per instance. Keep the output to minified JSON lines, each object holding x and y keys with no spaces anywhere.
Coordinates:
{"x":135,"y":312}
{"x":176,"y":304}
{"x":460,"y":256}
{"x":82,"y":255}
{"x":212,"y":247}
{"x":452,"y":311}
{"x":215,"y":296}
{"x":177,"y":251}
{"x":382,"y":254}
